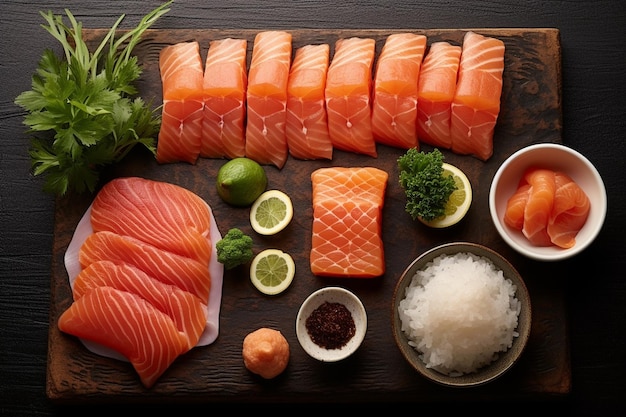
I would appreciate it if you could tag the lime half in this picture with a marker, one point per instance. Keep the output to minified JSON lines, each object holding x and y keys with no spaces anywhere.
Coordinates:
{"x":272,"y":271}
{"x":271,"y":212}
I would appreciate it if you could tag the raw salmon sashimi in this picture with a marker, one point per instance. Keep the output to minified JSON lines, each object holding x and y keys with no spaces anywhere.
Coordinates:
{"x":346,"y":240}
{"x":514,"y":214}
{"x":436,"y":87}
{"x":306,"y":126}
{"x":394,"y":97}
{"x":539,"y":205}
{"x":347,"y":228}
{"x":476,"y":103}
{"x":162,"y":214}
{"x":181,"y":125}
{"x":225,"y":82}
{"x":548,"y":207}
{"x":128,"y":324}
{"x":185,"y":309}
{"x":365,"y":185}
{"x":127,"y":249}
{"x":348,"y":96}
{"x":569,"y":213}
{"x":168,"y":267}
{"x":268,"y":76}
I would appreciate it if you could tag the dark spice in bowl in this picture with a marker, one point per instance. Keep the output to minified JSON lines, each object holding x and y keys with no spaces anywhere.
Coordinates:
{"x":330,"y":325}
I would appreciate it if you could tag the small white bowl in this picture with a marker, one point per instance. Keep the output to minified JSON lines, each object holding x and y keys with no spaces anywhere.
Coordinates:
{"x":555,"y":157}
{"x":332,"y":295}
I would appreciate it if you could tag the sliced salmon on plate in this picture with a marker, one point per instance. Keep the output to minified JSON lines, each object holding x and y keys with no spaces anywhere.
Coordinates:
{"x":347,"y":222}
{"x":307,"y":122}
{"x":182,"y":75}
{"x":225,"y":82}
{"x":394,"y":101}
{"x":127,"y":260}
{"x":161,"y":214}
{"x":266,"y":142}
{"x":168,"y":267}
{"x":348,"y":96}
{"x":185,"y":309}
{"x":128,"y":324}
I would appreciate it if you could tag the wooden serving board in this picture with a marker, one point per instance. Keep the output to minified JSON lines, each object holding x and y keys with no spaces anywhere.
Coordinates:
{"x":531,"y":113}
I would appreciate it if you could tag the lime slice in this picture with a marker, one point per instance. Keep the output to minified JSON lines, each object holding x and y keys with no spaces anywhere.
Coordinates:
{"x":271,"y":212}
{"x":240,"y":181}
{"x":459,"y":202}
{"x":272,"y":271}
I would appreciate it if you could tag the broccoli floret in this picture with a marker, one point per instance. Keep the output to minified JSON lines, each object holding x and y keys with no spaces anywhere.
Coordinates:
{"x":234,"y":249}
{"x":427,"y":189}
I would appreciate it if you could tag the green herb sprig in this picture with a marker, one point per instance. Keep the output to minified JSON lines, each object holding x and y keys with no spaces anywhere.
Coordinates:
{"x":427,"y":189}
{"x":84,"y":105}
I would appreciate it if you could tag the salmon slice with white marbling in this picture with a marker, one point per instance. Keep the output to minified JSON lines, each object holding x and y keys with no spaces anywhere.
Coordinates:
{"x":225,"y":81}
{"x":266,"y":96}
{"x":476,"y":104}
{"x":168,"y":267}
{"x":436,"y":87}
{"x":161,"y":214}
{"x":182,"y":73}
{"x":184,"y":308}
{"x":347,"y":222}
{"x":128,"y":324}
{"x":394,"y":98}
{"x":307,"y":121}
{"x":348,"y":96}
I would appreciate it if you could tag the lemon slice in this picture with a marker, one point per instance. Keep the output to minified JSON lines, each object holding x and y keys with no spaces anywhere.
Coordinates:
{"x":271,"y":212}
{"x":272,"y":271}
{"x":459,"y":202}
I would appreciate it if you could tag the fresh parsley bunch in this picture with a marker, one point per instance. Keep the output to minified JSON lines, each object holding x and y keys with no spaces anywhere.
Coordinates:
{"x":427,"y":189}
{"x":84,"y":106}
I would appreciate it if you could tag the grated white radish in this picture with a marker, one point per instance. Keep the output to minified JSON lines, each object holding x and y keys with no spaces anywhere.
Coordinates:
{"x":459,"y":312}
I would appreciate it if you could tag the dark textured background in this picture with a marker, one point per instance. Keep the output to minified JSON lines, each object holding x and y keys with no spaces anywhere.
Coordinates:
{"x":593,"y":91}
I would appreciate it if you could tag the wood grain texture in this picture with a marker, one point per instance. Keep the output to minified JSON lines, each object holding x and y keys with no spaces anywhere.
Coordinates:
{"x":531,"y":113}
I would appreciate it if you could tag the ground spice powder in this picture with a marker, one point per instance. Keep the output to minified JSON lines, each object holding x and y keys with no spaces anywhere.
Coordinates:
{"x":330,"y":325}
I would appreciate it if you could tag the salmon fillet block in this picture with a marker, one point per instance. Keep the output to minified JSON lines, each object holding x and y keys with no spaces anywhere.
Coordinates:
{"x":347,"y":222}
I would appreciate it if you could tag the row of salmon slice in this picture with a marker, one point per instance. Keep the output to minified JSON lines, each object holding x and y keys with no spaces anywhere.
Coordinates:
{"x":444,"y":95}
{"x":145,"y":283}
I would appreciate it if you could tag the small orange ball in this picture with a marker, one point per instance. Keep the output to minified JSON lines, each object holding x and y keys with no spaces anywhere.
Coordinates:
{"x":266,"y":352}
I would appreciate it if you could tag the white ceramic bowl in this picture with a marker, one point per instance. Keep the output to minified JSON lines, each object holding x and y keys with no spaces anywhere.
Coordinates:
{"x":332,"y":295}
{"x":555,"y":157}
{"x":505,"y":360}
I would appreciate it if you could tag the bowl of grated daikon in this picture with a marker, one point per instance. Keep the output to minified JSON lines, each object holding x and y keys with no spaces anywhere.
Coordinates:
{"x":461,"y":314}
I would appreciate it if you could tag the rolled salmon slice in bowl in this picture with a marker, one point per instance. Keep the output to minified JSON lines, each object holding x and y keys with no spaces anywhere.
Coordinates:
{"x":561,"y":160}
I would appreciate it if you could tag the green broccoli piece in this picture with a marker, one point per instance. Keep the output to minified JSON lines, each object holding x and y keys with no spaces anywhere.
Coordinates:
{"x":427,"y":189}
{"x":234,"y":249}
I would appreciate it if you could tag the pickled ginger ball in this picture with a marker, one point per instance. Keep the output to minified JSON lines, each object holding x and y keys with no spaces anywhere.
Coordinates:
{"x":266,"y":352}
